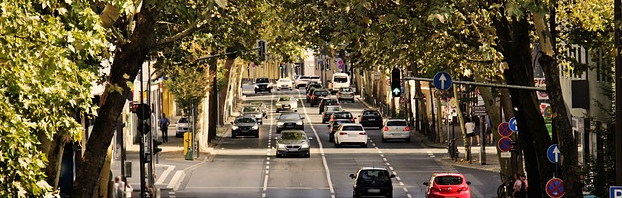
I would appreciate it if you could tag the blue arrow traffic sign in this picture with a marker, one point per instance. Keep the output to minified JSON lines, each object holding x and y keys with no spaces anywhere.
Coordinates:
{"x":555,"y":188}
{"x":513,"y":125}
{"x":442,"y":81}
{"x":553,"y":153}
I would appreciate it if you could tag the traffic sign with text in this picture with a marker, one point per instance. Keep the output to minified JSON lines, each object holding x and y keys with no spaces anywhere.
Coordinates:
{"x":555,"y":188}
{"x":442,"y":80}
{"x":615,"y":191}
{"x":504,"y":129}
{"x":553,"y":153}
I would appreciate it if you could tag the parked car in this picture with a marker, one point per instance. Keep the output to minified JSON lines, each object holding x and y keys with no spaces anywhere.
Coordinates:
{"x":289,"y":121}
{"x":302,"y":81}
{"x":293,"y":142}
{"x":371,"y":118}
{"x":181,"y":127}
{"x":329,"y":110}
{"x":318,"y":95}
{"x":284,"y":83}
{"x":341,"y":115}
{"x":286,"y":103}
{"x":244,"y":125}
{"x":253,"y":111}
{"x":333,"y":128}
{"x":262,"y":85}
{"x":372,"y":181}
{"x":396,"y":129}
{"x":345,"y":94}
{"x":350,"y":133}
{"x":443,"y":185}
{"x":326,"y":102}
{"x":262,"y":107}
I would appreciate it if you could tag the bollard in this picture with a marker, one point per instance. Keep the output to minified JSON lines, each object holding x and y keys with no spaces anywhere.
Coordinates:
{"x":188,"y":146}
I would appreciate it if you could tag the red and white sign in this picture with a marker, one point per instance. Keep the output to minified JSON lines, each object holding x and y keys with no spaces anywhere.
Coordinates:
{"x":403,"y":100}
{"x":388,"y":82}
{"x":555,"y":188}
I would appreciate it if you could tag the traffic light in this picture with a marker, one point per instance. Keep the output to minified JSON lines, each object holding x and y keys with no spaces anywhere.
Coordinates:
{"x":262,"y":45}
{"x":396,"y":87}
{"x":143,"y":127}
{"x":156,"y":146}
{"x":143,"y":112}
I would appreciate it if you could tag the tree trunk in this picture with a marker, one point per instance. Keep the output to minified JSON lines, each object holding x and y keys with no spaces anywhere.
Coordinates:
{"x":128,"y":60}
{"x":495,"y":119}
{"x":213,"y":103}
{"x":533,"y":137}
{"x":223,"y":91}
{"x":55,"y":156}
{"x":465,"y":139}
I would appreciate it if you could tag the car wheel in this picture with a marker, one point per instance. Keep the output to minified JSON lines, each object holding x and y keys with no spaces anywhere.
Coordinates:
{"x":384,"y":139}
{"x":269,"y":91}
{"x":308,"y":155}
{"x":352,"y":100}
{"x":233,"y":135}
{"x":255,"y":92}
{"x":364,"y":145}
{"x":296,"y":110}
{"x":278,"y":155}
{"x":336,"y":144}
{"x":277,"y":110}
{"x":407,"y":139}
{"x":257,"y":135}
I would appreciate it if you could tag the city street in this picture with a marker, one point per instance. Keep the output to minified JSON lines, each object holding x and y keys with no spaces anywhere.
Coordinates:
{"x":247,"y":166}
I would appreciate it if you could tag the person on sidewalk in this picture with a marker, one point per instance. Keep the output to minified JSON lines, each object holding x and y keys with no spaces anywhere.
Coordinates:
{"x":476,"y":129}
{"x":129,"y":191}
{"x":118,"y":188}
{"x":489,"y":137}
{"x":469,"y":129}
{"x":520,"y":186}
{"x":164,"y":122}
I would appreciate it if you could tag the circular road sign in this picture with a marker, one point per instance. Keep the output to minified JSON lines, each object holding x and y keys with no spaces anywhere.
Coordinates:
{"x":505,"y":144}
{"x":513,"y":125}
{"x":555,"y":188}
{"x":504,"y":129}
{"x":442,"y":80}
{"x":553,"y":153}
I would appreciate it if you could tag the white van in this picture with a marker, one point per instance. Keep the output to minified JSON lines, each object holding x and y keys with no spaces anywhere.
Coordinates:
{"x":340,"y":80}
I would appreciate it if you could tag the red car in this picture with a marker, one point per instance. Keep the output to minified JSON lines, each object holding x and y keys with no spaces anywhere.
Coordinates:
{"x":443,"y":185}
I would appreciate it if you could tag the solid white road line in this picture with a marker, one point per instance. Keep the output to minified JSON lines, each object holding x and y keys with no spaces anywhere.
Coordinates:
{"x":164,"y":174}
{"x":317,"y":137}
{"x":176,"y":180}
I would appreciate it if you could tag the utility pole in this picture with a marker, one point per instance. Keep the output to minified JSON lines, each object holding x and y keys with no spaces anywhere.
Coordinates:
{"x":618,"y":85}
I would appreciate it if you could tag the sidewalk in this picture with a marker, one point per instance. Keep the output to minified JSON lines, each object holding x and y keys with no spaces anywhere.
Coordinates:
{"x":492,"y":160}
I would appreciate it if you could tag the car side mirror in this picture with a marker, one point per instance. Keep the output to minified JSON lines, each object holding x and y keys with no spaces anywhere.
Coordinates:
{"x":231,"y":122}
{"x":392,"y":176}
{"x":276,"y":138}
{"x":352,"y":176}
{"x":426,"y":183}
{"x":354,"y":118}
{"x":468,"y":183}
{"x":302,"y":118}
{"x":310,"y":138}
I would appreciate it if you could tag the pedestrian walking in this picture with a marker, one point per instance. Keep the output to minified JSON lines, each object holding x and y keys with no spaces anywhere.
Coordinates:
{"x":129,"y":191}
{"x":118,"y":188}
{"x":489,"y":137}
{"x":520,"y":186}
{"x":164,"y":122}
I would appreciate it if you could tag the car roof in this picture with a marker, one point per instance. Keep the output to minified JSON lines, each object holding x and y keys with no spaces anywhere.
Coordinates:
{"x":344,"y":112}
{"x":351,"y":124}
{"x":447,"y":174}
{"x":286,"y":113}
{"x":373,"y":168}
{"x":333,"y":105}
{"x":370,"y":110}
{"x":293,"y":130}
{"x":395,"y":119}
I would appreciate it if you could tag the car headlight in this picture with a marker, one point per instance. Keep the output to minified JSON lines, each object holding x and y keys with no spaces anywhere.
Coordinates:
{"x":279,"y":104}
{"x":255,"y":127}
{"x":305,"y":145}
{"x":281,"y":146}
{"x":279,"y":123}
{"x":299,"y":123}
{"x":234,"y":127}
{"x":256,"y":86}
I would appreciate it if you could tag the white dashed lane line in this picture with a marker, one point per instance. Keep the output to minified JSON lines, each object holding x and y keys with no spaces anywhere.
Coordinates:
{"x":386,"y":162}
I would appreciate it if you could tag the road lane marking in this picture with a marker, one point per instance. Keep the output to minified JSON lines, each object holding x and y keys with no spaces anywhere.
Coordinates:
{"x":164,"y":174}
{"x":269,"y":152}
{"x":175,"y":181}
{"x":317,"y":136}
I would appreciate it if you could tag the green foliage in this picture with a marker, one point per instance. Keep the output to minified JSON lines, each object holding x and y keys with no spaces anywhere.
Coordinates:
{"x":188,"y":85}
{"x":49,"y":53}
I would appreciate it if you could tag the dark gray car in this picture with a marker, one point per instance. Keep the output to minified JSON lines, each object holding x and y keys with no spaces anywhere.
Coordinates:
{"x":263,"y":84}
{"x":244,"y":126}
{"x":293,"y":143}
{"x":289,"y":121}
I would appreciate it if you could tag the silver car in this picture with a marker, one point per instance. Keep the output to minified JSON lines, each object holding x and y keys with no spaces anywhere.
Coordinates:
{"x":293,"y":142}
{"x":286,"y":103}
{"x":345,"y":94}
{"x":253,"y":111}
{"x":395,"y":129}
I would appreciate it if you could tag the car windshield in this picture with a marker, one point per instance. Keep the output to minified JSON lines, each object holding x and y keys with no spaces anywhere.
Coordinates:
{"x":371,"y":113}
{"x":257,"y":103}
{"x":285,"y":80}
{"x":396,"y":123}
{"x":287,"y":135}
{"x":342,"y":115}
{"x":250,"y":109}
{"x":352,"y":128}
{"x":245,"y":120}
{"x":314,"y":77}
{"x":448,"y":180}
{"x":331,"y":101}
{"x":285,"y":99}
{"x":304,"y":77}
{"x":346,"y":90}
{"x":340,"y":122}
{"x":183,"y":120}
{"x":289,"y":116}
{"x":333,"y":108}
{"x":341,"y":79}
{"x":262,"y":80}
{"x":373,"y":175}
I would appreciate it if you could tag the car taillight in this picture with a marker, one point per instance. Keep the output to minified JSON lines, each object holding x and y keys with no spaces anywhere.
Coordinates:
{"x":463,"y":188}
{"x":337,"y":104}
{"x":362,"y":133}
{"x":352,"y":119}
{"x":406,"y":128}
{"x":343,"y":133}
{"x":435,"y":189}
{"x":386,"y":129}
{"x":332,"y":119}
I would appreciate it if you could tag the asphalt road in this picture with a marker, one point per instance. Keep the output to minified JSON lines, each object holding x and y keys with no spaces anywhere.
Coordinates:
{"x":247,"y":166}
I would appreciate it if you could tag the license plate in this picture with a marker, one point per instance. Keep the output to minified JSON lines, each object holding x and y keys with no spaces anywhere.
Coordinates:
{"x":292,"y":149}
{"x":352,"y":135}
{"x":290,"y":126}
{"x":371,"y":119}
{"x":373,"y":190}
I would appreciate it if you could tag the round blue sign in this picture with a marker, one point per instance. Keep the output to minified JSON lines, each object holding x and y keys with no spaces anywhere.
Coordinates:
{"x":442,"y":81}
{"x":513,"y":125}
{"x":553,"y":153}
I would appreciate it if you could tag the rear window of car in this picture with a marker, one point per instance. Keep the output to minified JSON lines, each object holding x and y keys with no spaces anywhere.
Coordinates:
{"x":285,"y":99}
{"x":284,"y":80}
{"x":342,"y":79}
{"x":304,"y":77}
{"x":262,"y":80}
{"x":250,"y":109}
{"x":320,"y":93}
{"x":396,"y":123}
{"x":333,"y":109}
{"x":183,"y":120}
{"x":448,"y":180}
{"x":245,"y":120}
{"x":346,"y":115}
{"x":371,"y":113}
{"x":352,"y":128}
{"x":314,"y":77}
{"x":373,"y":174}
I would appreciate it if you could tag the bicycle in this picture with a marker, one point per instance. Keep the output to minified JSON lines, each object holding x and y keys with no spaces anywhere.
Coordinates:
{"x":505,"y":189}
{"x":452,"y":149}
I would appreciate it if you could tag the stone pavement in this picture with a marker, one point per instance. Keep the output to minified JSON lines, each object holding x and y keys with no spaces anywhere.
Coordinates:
{"x":492,"y":160}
